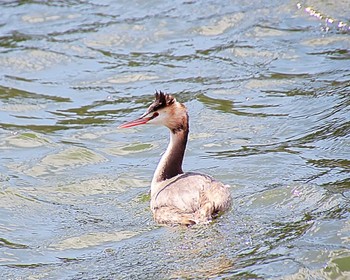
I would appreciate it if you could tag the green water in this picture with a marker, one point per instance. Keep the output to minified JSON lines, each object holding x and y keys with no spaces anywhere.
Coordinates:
{"x":267,"y":87}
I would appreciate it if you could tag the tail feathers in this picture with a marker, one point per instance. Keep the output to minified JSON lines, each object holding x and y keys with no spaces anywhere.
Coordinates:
{"x":174,"y":216}
{"x":220,"y":197}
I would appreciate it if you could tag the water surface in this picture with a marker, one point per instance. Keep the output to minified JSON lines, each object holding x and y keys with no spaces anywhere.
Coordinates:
{"x":267,"y":86}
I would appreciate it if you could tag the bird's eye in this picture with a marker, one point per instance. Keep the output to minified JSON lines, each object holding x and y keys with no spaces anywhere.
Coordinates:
{"x":155,"y":114}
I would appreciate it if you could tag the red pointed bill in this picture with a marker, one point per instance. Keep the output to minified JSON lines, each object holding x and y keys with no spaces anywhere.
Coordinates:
{"x":135,"y":122}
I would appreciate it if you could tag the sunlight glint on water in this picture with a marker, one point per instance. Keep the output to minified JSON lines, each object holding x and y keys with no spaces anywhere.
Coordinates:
{"x":267,"y":88}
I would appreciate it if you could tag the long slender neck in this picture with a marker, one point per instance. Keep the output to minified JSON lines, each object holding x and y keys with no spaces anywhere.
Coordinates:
{"x":170,"y":164}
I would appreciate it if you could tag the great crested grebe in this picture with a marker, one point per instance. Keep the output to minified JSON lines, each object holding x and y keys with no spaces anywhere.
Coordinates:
{"x":178,"y":197}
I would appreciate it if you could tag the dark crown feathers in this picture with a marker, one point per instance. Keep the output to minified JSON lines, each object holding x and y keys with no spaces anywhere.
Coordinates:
{"x":162,"y":100}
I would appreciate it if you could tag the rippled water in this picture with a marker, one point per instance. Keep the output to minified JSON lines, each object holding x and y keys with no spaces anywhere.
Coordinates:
{"x":267,"y":84}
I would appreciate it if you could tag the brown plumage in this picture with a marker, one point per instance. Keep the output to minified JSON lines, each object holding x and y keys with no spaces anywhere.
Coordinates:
{"x":178,"y":197}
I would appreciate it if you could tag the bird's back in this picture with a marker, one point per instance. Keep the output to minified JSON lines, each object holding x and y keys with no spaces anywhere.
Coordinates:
{"x":189,"y":198}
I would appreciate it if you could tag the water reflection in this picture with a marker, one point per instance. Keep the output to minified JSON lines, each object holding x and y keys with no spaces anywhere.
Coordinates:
{"x":228,"y":106}
{"x":13,"y":95}
{"x":266,"y":84}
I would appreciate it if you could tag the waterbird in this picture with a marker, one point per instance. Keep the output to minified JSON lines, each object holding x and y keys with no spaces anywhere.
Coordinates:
{"x":179,"y":198}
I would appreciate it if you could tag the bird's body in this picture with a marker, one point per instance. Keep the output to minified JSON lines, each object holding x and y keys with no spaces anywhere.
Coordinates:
{"x":178,"y":197}
{"x":188,"y":198}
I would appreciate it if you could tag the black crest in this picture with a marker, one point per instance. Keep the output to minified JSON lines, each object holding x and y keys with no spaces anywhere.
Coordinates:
{"x":162,"y":100}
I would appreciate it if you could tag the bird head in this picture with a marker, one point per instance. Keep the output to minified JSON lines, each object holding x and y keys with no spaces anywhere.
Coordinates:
{"x":164,"y":110}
